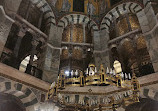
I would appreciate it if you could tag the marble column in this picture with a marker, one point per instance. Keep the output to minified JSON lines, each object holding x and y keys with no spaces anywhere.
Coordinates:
{"x":101,"y":51}
{"x":28,"y":10}
{"x":104,"y":38}
{"x":129,"y":24}
{"x":40,"y":20}
{"x":115,"y":26}
{"x":71,"y":32}
{"x":149,"y":26}
{"x":20,"y":34}
{"x":97,"y":49}
{"x":84,"y":33}
{"x":52,"y":56}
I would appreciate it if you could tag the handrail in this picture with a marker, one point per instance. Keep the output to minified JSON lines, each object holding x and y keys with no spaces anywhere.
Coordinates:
{"x":123,"y":36}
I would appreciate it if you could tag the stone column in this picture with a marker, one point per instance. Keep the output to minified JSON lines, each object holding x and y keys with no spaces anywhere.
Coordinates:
{"x":84,"y":33}
{"x":52,"y":57}
{"x":129,"y":24}
{"x":104,"y":38}
{"x":115,"y":26}
{"x":40,"y":20}
{"x":101,"y":51}
{"x":28,"y":11}
{"x":20,"y":34}
{"x":149,"y":26}
{"x":97,"y":48}
{"x":71,"y":32}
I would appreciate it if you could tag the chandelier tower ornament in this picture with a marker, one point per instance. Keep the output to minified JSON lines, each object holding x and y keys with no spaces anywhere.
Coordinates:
{"x":63,"y":94}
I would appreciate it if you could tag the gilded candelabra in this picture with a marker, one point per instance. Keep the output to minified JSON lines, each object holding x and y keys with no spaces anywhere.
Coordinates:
{"x":94,"y":78}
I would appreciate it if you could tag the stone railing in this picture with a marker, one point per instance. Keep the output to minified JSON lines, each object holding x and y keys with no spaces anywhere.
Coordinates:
{"x":117,"y":40}
{"x":16,"y":75}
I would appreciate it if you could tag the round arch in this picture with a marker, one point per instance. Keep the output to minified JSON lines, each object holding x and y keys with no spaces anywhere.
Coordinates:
{"x":46,"y":9}
{"x":116,"y":12}
{"x":77,"y":19}
{"x":24,"y":93}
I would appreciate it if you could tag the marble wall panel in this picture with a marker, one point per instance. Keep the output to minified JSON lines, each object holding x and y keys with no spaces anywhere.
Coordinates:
{"x":104,"y":38}
{"x":143,"y":21}
{"x":5,"y":26}
{"x":55,"y":36}
{"x":152,"y":45}
{"x":151,"y":17}
{"x":11,"y":5}
{"x":97,"y":59}
{"x":51,"y":65}
{"x":97,"y":43}
{"x":106,"y":58}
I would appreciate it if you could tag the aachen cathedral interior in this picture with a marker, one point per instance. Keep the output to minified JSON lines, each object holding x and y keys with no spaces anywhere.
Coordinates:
{"x":78,"y":55}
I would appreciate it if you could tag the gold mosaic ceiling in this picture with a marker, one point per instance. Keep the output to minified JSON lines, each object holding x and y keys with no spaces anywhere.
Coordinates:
{"x":122,"y":24}
{"x":134,"y":22}
{"x":141,"y":44}
{"x":77,"y":34}
{"x":76,"y":53}
{"x":128,"y":47}
{"x":97,"y":6}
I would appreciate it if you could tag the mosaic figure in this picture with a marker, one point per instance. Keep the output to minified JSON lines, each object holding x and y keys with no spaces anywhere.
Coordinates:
{"x":53,"y":2}
{"x":66,"y":5}
{"x":91,"y":9}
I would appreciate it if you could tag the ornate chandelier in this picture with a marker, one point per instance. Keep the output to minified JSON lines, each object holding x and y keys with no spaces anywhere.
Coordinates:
{"x":75,"y":100}
{"x":69,"y":90}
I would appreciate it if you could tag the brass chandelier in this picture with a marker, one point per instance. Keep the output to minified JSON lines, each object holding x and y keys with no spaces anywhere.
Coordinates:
{"x":93,"y":99}
{"x":93,"y":78}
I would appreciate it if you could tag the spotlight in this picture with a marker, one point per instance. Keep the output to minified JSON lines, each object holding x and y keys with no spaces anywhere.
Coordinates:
{"x":67,"y":73}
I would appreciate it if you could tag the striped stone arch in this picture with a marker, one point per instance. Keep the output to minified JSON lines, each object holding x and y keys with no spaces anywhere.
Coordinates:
{"x":25,"y":94}
{"x":76,"y":19}
{"x":46,"y":9}
{"x":121,"y":9}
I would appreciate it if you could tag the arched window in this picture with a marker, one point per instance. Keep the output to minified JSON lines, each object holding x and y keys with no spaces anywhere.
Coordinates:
{"x":24,"y":63}
{"x":78,"y":5}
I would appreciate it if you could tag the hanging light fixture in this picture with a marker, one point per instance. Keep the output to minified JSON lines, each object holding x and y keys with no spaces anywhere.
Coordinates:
{"x":98,"y":78}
